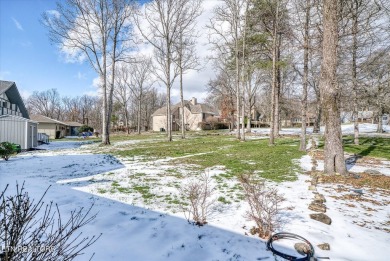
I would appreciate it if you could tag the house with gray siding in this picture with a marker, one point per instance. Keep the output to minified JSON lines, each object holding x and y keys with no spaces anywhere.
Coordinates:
{"x":55,"y":129}
{"x":15,"y":124}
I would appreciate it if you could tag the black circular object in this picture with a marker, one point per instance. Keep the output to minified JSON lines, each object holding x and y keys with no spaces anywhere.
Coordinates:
{"x":282,"y":235}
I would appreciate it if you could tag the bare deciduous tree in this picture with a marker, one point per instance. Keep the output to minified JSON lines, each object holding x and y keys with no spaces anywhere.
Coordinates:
{"x":377,"y":71}
{"x":142,"y":81}
{"x":46,"y":103}
{"x":96,"y":30}
{"x":186,"y":52}
{"x":121,"y":92}
{"x":225,"y":35}
{"x":165,"y":19}
{"x":305,"y":82}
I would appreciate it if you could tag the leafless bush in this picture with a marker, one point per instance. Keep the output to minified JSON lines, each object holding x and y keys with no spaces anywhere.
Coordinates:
{"x":32,"y":230}
{"x":197,"y":194}
{"x":264,"y":203}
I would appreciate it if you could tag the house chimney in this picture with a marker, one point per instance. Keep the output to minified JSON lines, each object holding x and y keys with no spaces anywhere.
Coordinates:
{"x":193,"y":101}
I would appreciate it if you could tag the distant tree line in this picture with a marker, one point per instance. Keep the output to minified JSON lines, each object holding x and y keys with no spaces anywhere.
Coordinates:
{"x":88,"y":109}
{"x":83,"y":109}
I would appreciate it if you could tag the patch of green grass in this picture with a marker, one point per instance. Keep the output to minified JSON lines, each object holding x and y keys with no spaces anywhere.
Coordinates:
{"x":133,"y":136}
{"x":136,"y":176}
{"x":124,"y":190}
{"x":368,"y":146}
{"x":275,"y":162}
{"x":115,"y":184}
{"x":378,"y":147}
{"x":176,"y":148}
{"x":144,"y":191}
{"x":175,"y":202}
{"x":240,"y":197}
{"x":224,"y":200}
{"x":101,"y":191}
{"x":141,"y":189}
{"x":174,"y":173}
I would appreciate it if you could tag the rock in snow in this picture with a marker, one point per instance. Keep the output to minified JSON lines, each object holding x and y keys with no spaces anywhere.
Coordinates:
{"x":321,"y":217}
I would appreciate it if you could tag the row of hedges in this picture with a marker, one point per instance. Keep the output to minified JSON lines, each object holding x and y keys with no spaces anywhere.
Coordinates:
{"x":213,"y":125}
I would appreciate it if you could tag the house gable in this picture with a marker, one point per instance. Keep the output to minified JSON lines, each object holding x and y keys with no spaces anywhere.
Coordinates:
{"x":193,"y":114}
{"x":11,"y":103}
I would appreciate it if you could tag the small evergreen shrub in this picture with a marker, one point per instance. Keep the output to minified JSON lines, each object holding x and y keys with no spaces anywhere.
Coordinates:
{"x":7,"y":149}
{"x":85,"y":128}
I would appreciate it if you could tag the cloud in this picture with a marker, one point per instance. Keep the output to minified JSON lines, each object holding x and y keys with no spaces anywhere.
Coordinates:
{"x":96,"y":83}
{"x":54,"y":13}
{"x":81,"y":76}
{"x":4,"y":75}
{"x":51,"y":14}
{"x":24,"y":93}
{"x":92,"y":93}
{"x":94,"y":89}
{"x":17,"y":24}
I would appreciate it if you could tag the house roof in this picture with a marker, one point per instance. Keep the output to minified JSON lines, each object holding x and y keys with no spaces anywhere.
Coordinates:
{"x":10,"y":89}
{"x":73,"y":123}
{"x":44,"y":119}
{"x":14,"y":117}
{"x":195,"y":109}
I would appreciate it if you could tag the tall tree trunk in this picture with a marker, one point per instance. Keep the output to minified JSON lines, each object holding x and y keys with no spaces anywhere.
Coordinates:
{"x":354,"y":73}
{"x":333,"y":152}
{"x":317,"y":121}
{"x":243,"y":117}
{"x":274,"y":91}
{"x":112,"y":84}
{"x":169,"y":118}
{"x":168,"y":74}
{"x":105,"y":119}
{"x":237,"y":82}
{"x":245,"y":73}
{"x":305,"y":77}
{"x":183,"y":125}
{"x":380,"y":122}
{"x":249,"y":116}
{"x":278,"y":87}
{"x":139,"y":115}
{"x":127,"y":120}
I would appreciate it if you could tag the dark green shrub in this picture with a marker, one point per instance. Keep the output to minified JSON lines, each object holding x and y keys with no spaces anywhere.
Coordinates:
{"x":85,"y":128}
{"x":222,"y":126}
{"x":204,"y":125}
{"x":17,"y":148}
{"x":7,"y":149}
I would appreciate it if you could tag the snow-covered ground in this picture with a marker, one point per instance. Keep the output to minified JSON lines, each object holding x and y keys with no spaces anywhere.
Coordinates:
{"x":141,"y":228}
{"x":364,"y":128}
